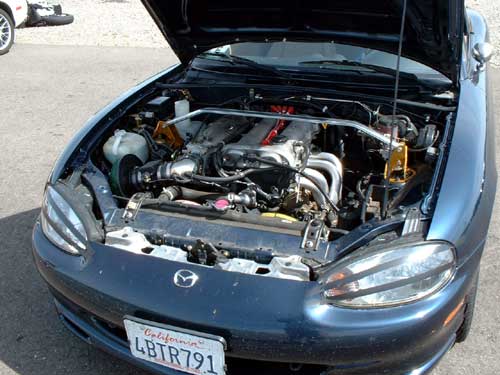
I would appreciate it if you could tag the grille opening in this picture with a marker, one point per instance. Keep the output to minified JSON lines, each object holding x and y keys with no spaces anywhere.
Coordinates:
{"x":237,"y":366}
{"x":262,"y":271}
{"x":76,"y":330}
{"x":117,"y":333}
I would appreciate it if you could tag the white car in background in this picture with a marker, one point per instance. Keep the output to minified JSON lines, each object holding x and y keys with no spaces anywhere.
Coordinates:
{"x":13,"y":13}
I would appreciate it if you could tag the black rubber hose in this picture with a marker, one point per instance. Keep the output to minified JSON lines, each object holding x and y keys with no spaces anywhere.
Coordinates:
{"x":171,"y":193}
{"x":232,"y":178}
{"x":167,"y":203}
{"x":259,"y":190}
{"x":358,"y":189}
{"x":366,"y":199}
{"x":192,"y":194}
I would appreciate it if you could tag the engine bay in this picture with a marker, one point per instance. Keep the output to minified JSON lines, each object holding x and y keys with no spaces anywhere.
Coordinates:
{"x":319,"y":168}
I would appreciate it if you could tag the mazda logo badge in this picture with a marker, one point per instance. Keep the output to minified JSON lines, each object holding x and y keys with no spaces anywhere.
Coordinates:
{"x":185,"y":278}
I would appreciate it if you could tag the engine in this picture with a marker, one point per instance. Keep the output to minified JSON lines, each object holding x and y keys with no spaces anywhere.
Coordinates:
{"x":266,"y":159}
{"x":291,"y":147}
{"x":277,"y":161}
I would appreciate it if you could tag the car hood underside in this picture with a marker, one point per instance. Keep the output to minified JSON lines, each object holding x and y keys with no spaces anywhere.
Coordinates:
{"x":432,"y":33}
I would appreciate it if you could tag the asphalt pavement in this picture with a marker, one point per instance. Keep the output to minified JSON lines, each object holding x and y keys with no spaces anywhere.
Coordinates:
{"x":46,"y":94}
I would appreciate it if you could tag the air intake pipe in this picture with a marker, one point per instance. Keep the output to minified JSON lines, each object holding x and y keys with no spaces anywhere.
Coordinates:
{"x":129,"y":175}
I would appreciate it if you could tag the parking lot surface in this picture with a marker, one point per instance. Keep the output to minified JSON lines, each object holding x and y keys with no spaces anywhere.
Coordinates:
{"x":46,"y":94}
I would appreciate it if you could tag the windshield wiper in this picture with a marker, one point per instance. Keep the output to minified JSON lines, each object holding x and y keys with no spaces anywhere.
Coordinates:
{"x":247,"y":62}
{"x":334,"y":64}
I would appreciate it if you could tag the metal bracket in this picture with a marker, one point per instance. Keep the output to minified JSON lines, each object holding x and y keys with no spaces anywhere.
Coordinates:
{"x":204,"y":253}
{"x":134,"y":205}
{"x":413,"y":222}
{"x":312,"y":235}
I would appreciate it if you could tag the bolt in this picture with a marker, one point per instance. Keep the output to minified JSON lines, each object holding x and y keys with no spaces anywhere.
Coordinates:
{"x":309,"y":244}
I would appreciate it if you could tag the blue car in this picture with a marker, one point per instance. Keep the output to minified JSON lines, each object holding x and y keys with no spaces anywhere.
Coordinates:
{"x":307,"y":192}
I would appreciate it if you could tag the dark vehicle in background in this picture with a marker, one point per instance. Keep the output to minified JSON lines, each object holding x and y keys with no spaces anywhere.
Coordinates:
{"x":269,"y":206}
{"x":43,"y":13}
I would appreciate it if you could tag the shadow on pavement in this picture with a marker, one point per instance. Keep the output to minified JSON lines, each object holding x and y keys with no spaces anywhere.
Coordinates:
{"x":32,"y":340}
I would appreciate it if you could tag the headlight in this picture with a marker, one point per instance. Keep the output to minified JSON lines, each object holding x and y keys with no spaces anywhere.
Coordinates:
{"x":61,"y":224}
{"x":390,"y":276}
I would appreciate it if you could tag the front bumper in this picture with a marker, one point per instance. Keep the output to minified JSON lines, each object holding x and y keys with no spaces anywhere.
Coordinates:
{"x":20,"y":12}
{"x":261,"y":318}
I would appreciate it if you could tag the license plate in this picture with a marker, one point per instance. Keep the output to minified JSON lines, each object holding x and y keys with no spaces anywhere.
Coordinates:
{"x":176,"y":348}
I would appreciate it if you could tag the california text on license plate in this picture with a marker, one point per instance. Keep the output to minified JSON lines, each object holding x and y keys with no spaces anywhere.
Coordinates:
{"x":183,"y":350}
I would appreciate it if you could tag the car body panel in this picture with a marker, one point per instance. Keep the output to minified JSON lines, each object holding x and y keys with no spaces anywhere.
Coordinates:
{"x":464,"y":205}
{"x":18,"y":10}
{"x":260,"y":318}
{"x":432,"y":34}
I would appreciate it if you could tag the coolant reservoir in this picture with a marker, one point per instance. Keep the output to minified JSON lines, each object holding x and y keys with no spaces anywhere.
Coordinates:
{"x":123,"y":143}
{"x":182,"y":109}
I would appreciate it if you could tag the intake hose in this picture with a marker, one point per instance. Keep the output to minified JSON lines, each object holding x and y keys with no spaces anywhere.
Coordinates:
{"x":129,"y":175}
{"x":175,"y":192}
{"x":235,"y":177}
{"x":171,"y":193}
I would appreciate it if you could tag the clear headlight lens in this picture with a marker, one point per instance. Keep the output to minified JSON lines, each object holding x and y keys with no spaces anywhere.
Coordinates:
{"x":391,"y":276}
{"x":61,"y":224}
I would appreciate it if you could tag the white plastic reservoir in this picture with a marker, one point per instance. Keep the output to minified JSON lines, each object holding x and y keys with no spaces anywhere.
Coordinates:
{"x":123,"y":143}
{"x":182,"y":109}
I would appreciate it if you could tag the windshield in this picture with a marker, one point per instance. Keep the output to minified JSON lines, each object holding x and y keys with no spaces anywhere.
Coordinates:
{"x":306,"y":54}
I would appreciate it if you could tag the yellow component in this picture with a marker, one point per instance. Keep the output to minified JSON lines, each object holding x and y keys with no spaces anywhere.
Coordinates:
{"x":187,"y":95}
{"x":168,"y":134}
{"x":397,"y":167}
{"x":137,"y":119}
{"x":276,"y":215}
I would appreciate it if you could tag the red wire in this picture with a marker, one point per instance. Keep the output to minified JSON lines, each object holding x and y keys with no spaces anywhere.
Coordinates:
{"x":280,"y":124}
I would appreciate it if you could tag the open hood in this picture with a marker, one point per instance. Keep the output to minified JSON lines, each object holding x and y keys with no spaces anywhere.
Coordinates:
{"x":433,"y":33}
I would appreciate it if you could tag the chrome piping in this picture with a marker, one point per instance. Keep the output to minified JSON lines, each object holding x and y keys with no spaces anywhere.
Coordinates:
{"x":335,"y":176}
{"x":338,"y":170}
{"x":331,"y":158}
{"x":309,"y":185}
{"x":280,"y":116}
{"x":317,"y":177}
{"x":318,"y":182}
